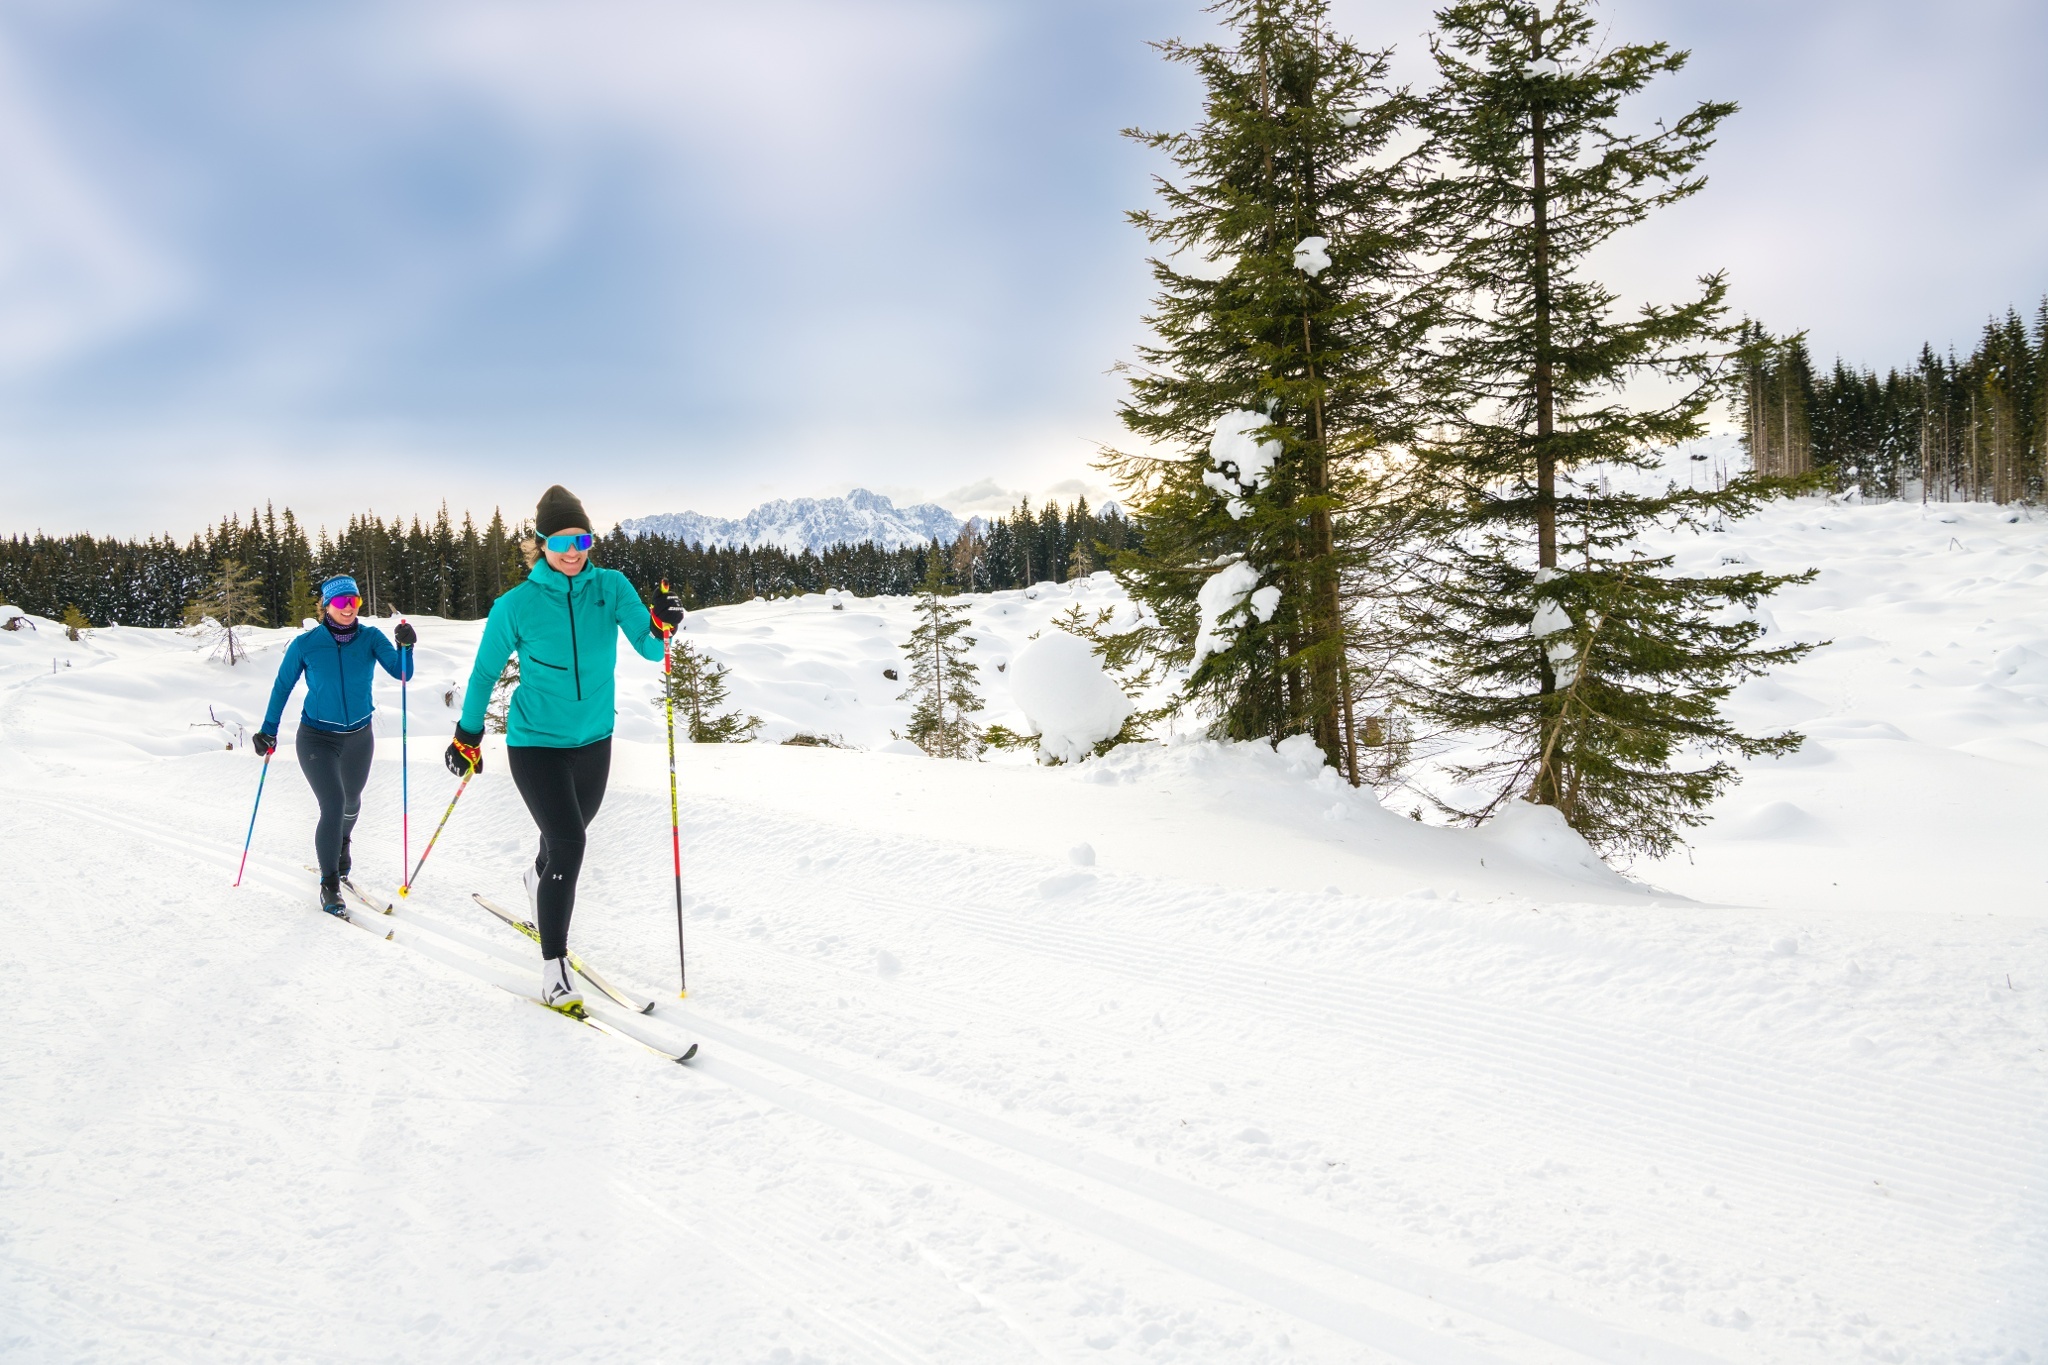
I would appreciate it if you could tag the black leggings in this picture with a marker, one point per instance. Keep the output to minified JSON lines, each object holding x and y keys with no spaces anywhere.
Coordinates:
{"x":336,"y":767}
{"x":562,"y":789}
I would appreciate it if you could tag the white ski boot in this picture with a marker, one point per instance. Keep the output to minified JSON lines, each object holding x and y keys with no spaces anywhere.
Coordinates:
{"x":557,"y":990}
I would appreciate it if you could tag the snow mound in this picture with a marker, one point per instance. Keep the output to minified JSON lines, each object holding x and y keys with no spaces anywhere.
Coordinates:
{"x":1778,"y":820}
{"x":1069,"y":700}
{"x":1539,"y":835}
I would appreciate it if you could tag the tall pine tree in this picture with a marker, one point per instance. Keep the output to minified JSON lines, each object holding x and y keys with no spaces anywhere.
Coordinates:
{"x":1599,"y":668}
{"x":1284,"y":319}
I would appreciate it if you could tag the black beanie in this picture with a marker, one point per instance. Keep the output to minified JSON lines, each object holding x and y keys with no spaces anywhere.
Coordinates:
{"x":558,"y":508}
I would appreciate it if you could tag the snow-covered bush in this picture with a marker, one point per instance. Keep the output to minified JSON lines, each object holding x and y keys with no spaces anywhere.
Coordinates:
{"x":1068,"y":699}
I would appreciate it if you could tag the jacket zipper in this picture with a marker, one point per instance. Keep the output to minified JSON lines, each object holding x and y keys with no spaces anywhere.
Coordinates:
{"x":341,"y":676}
{"x":575,"y":659}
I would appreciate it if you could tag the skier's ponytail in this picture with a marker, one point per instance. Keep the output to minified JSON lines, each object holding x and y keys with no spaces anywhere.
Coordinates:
{"x":529,"y":546}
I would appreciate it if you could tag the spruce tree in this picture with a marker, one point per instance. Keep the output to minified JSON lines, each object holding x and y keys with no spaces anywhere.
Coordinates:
{"x":225,"y":608}
{"x":942,"y":692}
{"x":302,"y":604}
{"x":1598,"y":668}
{"x":1285,"y":320}
{"x":695,"y":684}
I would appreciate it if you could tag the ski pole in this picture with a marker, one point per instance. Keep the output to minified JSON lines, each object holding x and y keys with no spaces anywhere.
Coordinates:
{"x":404,"y":764}
{"x":675,"y":827}
{"x":251,"y":835}
{"x":406,"y":889}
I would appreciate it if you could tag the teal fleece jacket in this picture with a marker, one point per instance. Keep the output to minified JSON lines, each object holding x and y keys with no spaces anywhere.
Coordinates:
{"x":566,"y":633}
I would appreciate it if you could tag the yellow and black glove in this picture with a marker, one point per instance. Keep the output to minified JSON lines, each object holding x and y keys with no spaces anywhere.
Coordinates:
{"x":466,"y":754}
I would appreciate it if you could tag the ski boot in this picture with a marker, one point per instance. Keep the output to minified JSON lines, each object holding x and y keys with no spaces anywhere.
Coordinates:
{"x":330,"y":897}
{"x":557,"y":991}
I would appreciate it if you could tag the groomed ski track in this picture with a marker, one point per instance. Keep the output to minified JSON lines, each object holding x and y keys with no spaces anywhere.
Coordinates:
{"x":999,"y":1165}
{"x":1332,"y":1294}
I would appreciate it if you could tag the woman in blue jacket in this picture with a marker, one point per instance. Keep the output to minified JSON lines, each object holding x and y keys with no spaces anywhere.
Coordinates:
{"x":338,"y":658}
{"x":564,"y":622}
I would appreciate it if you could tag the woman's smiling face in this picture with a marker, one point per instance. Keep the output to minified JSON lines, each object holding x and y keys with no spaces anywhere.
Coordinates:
{"x":567,"y":563}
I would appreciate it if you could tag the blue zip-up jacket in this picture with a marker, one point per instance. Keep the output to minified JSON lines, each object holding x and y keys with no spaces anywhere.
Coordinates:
{"x":566,"y":632}
{"x":337,"y":676}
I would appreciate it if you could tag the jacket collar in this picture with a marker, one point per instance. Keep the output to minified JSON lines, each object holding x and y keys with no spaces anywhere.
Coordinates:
{"x":547,"y":577}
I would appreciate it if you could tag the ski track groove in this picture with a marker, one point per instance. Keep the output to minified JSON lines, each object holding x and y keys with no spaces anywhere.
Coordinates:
{"x":820,"y":1272}
{"x":1484,"y":1035}
{"x":1794,"y":1137}
{"x":793,"y":1259}
{"x":1617,"y":1088}
{"x":1417,"y":1341}
{"x":1734,"y":1065}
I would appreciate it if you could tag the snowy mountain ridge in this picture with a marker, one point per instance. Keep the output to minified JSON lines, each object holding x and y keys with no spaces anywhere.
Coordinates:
{"x":796,"y":524}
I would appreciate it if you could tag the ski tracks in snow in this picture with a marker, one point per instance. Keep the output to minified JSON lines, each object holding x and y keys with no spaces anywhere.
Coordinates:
{"x":1290,"y":1268}
{"x":1081,"y":1198}
{"x":1780,"y":1162}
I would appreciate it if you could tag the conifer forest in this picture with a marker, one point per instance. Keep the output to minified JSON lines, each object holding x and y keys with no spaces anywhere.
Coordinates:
{"x":438,"y":568}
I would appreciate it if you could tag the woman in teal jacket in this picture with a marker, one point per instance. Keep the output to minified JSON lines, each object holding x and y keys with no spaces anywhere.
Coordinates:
{"x":564,"y":623}
{"x":339,"y":659}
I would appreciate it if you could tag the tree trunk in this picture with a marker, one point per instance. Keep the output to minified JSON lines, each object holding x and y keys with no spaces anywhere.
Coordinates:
{"x":1546,"y":790}
{"x":1546,"y":412}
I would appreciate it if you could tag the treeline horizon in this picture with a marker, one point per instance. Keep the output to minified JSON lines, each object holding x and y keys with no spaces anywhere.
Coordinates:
{"x":439,"y":567}
{"x":1949,"y":429}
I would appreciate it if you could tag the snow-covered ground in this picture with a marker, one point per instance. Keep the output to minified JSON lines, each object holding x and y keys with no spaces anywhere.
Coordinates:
{"x":1189,"y":1054}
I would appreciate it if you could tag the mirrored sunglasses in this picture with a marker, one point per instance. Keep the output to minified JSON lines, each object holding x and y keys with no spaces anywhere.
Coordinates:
{"x":347,"y":601}
{"x":563,"y":544}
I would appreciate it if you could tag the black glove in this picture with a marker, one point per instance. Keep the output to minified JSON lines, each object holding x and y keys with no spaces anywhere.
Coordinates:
{"x":466,"y":754}
{"x":405,"y":635}
{"x":667,"y":612}
{"x":265,"y":745}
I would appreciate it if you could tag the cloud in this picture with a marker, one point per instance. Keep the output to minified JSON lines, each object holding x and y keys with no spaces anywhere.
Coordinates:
{"x":799,"y":101}
{"x":1066,"y":490}
{"x":983,"y":495}
{"x":74,"y":273}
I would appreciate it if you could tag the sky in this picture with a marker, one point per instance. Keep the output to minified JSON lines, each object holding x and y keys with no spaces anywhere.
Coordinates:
{"x":381,"y":254}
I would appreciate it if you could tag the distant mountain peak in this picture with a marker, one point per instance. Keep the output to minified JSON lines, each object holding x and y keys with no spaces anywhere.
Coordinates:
{"x":797,"y":524}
